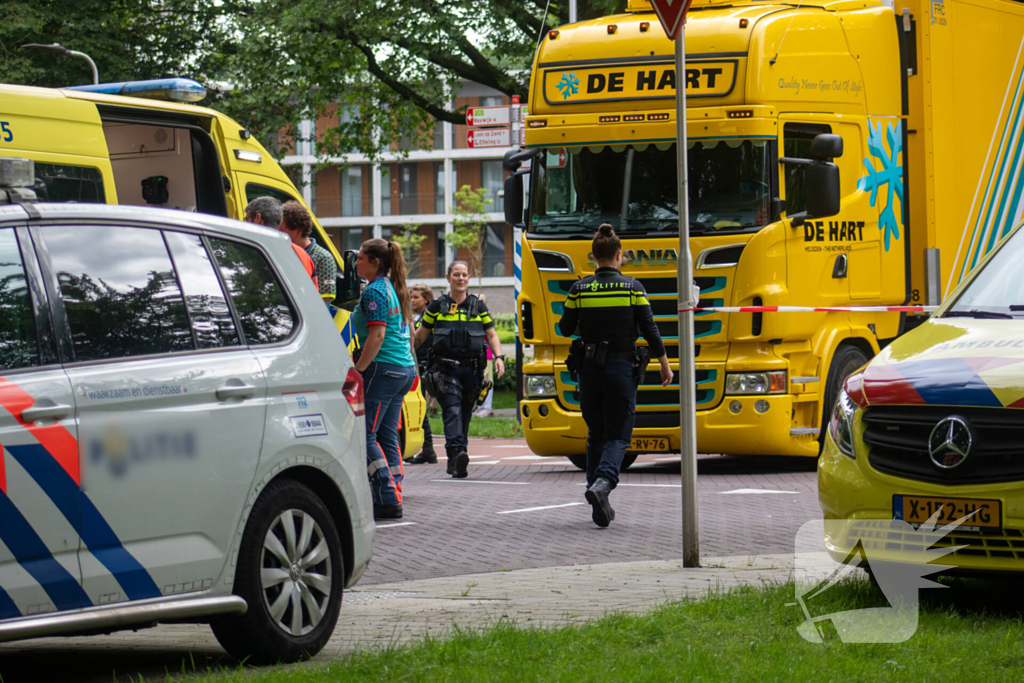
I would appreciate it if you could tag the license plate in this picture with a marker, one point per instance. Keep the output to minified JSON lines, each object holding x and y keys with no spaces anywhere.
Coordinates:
{"x":919,"y":509}
{"x":649,"y":444}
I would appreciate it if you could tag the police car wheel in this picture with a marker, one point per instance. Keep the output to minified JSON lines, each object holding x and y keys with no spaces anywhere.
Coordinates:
{"x":628,"y":460}
{"x":290,"y":572}
{"x":845,"y":362}
{"x":579,"y":460}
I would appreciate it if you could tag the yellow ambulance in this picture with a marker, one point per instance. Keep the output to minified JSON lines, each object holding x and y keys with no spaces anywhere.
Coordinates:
{"x":142,"y":143}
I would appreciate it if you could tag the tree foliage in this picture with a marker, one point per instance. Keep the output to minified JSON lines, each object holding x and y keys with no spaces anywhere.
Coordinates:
{"x":468,"y":225}
{"x":410,"y":238}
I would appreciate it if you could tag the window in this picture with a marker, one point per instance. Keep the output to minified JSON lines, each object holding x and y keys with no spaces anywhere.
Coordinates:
{"x":407,"y":189}
{"x":207,"y":306}
{"x":385,"y":191}
{"x":18,"y":347}
{"x":252,"y":191}
{"x":351,"y":180}
{"x":62,"y":183}
{"x":351,"y":239}
{"x":797,"y":144}
{"x":438,"y":135}
{"x":438,"y":187}
{"x":493,"y":181}
{"x":259,"y":300}
{"x":491,"y":101}
{"x":119,"y":290}
{"x":494,"y":250}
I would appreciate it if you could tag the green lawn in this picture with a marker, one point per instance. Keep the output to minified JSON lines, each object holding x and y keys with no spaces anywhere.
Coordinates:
{"x":496,"y":427}
{"x":971,"y":632}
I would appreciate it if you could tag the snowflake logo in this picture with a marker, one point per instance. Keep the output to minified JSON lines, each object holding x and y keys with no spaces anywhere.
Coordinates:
{"x":891,"y":174}
{"x":569,"y":85}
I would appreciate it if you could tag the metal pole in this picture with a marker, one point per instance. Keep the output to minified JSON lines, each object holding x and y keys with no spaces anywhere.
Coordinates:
{"x":92,"y":65}
{"x":572,"y":11}
{"x":687,"y":387}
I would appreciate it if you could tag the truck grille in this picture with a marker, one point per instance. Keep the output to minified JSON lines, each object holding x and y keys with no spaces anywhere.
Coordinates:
{"x":897,"y":437}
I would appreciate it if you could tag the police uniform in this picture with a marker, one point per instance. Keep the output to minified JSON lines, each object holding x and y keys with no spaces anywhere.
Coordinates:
{"x":457,"y":358}
{"x":607,"y":310}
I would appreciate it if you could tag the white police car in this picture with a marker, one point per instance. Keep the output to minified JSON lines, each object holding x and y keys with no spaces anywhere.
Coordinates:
{"x":181,"y":430}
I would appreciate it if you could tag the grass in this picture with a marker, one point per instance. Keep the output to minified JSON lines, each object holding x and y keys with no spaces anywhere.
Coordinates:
{"x":971,"y":632}
{"x":504,"y":325}
{"x":504,"y":399}
{"x":494,"y":427}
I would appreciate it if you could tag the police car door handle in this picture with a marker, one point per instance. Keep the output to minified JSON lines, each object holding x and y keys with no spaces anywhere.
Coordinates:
{"x":236,"y":391}
{"x":50,"y":412}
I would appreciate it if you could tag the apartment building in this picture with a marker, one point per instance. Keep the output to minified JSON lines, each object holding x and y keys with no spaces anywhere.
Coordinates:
{"x":360,"y":200}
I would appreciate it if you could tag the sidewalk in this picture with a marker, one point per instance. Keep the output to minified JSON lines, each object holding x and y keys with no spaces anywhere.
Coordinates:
{"x":391,"y":614}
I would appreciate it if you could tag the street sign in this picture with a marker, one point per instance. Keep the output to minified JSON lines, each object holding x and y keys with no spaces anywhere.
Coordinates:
{"x":557,"y":159}
{"x":488,"y":116}
{"x":515,"y":99}
{"x":671,"y":13}
{"x":489,"y":137}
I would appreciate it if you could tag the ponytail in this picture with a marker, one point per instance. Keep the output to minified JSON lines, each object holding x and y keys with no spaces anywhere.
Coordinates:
{"x":606,"y":243}
{"x":388,"y":256}
{"x":398,"y":279}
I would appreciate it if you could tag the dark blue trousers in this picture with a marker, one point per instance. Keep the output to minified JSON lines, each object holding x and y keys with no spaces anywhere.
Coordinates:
{"x":608,"y":401}
{"x":457,"y":408}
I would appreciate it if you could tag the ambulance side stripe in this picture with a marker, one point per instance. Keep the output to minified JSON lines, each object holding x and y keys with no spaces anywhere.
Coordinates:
{"x":3,"y":471}
{"x":8,"y":610}
{"x":54,"y":438}
{"x":86,"y":518}
{"x":32,"y":554}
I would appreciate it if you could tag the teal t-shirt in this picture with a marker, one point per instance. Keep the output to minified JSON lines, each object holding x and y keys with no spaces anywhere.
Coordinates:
{"x":379,"y":306}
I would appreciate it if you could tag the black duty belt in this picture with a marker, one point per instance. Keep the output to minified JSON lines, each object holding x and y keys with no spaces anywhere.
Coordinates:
{"x":618,"y":347}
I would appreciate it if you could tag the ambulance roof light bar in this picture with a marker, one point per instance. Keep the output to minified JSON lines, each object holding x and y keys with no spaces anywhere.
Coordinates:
{"x":167,"y":89}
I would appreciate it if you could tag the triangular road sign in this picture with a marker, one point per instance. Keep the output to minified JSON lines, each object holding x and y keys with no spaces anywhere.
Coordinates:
{"x":671,"y":13}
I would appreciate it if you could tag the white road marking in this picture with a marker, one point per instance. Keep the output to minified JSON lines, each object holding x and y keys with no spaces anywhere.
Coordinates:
{"x":726,"y":493}
{"x":653,"y":486}
{"x":524,"y":457}
{"x":482,"y":481}
{"x":675,"y":459}
{"x":387,"y":526}
{"x":543,"y":507}
{"x":480,"y":457}
{"x":488,"y":462}
{"x":519,"y":446}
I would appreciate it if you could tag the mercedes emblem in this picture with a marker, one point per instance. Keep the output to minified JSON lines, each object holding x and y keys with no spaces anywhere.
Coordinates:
{"x":950,"y":442}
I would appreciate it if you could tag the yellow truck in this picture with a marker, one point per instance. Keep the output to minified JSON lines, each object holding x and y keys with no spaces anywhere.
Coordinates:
{"x":841,"y":153}
{"x":143,"y":143}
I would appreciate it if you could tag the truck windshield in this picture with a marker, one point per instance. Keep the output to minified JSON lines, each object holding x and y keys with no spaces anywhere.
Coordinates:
{"x":998,"y":290}
{"x":633,"y":187}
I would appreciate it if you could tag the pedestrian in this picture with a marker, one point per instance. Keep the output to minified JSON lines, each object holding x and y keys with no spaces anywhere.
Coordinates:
{"x":606,"y":310}
{"x":267,"y":211}
{"x":462,"y":328}
{"x":420,"y":296}
{"x":381,"y":323}
{"x":298,"y":225}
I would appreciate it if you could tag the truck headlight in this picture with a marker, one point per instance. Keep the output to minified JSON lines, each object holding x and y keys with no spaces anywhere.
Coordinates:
{"x":840,"y":427}
{"x":540,"y":385}
{"x":756,"y":382}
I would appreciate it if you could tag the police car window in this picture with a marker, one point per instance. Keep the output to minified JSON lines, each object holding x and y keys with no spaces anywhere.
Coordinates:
{"x":797,"y":144}
{"x":259,"y":300}
{"x":119,"y":290}
{"x":254,"y":190}
{"x":64,"y":183}
{"x":18,"y":346}
{"x":207,"y":306}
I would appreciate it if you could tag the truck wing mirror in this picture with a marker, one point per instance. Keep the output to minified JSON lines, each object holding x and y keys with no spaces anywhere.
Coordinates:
{"x":514,"y":198}
{"x":348,"y":282}
{"x":826,"y":146}
{"x":823,"y":192}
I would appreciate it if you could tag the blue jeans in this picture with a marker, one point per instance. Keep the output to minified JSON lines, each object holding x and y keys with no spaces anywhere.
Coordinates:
{"x":384,"y":388}
{"x":608,"y":402}
{"x":457,"y":408}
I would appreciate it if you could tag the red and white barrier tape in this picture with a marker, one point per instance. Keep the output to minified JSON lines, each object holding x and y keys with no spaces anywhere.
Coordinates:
{"x":812,"y":309}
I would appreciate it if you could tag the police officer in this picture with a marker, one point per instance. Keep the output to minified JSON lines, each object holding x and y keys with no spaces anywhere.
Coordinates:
{"x":461,"y":326}
{"x":607,"y":310}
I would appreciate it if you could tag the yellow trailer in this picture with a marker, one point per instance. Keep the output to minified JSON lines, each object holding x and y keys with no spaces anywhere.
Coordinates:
{"x":926,"y":99}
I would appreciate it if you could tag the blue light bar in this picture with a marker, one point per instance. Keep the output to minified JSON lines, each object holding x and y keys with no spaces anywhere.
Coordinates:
{"x":168,"y":89}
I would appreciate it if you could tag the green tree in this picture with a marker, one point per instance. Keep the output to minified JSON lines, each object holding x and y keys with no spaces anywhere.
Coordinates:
{"x":128,"y":39}
{"x":468,"y":225}
{"x":408,"y":237}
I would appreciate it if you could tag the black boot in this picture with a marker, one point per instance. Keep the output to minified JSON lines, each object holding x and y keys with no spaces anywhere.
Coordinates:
{"x":425,"y":457}
{"x":597,"y":496}
{"x":387,"y":511}
{"x":459,"y":464}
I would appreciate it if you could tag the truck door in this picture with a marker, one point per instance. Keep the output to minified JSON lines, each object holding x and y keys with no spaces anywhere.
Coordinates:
{"x":39,"y":472}
{"x":171,"y":406}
